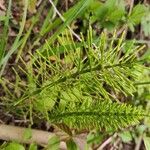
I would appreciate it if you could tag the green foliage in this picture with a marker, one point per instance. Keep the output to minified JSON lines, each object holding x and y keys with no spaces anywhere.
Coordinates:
{"x":71,"y":14}
{"x":94,"y":138}
{"x":78,"y":89}
{"x":108,"y":14}
{"x":32,"y":6}
{"x":17,"y":41}
{"x":53,"y":144}
{"x":27,"y":134}
{"x":101,"y":115}
{"x":58,"y":24}
{"x":33,"y":147}
{"x":4,"y":36}
{"x":147,"y":143}
{"x":14,"y":146}
{"x":126,"y":136}
{"x":137,"y":13}
{"x":71,"y":145}
{"x":146,"y":23}
{"x":112,"y":14}
{"x":135,"y":18}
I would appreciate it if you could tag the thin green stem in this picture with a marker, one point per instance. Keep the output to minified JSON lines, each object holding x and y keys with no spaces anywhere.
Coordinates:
{"x":142,"y":83}
{"x":91,"y":113}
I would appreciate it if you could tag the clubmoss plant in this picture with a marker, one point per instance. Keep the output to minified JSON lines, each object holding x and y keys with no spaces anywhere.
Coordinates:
{"x":78,"y":83}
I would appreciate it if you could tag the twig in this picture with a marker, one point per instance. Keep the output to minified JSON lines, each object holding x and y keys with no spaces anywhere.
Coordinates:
{"x":2,"y":7}
{"x":109,"y":140}
{"x":115,"y":144}
{"x":105,"y":143}
{"x":131,"y":7}
{"x":38,"y":3}
{"x":66,"y":3}
{"x":12,"y":133}
{"x":138,"y":145}
{"x":63,"y":19}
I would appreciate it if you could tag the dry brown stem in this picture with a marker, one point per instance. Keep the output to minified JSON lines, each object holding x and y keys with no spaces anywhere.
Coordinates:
{"x":13,"y":133}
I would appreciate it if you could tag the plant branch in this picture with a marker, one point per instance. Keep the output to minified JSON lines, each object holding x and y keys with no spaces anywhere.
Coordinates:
{"x":74,"y":75}
{"x":12,"y":133}
{"x":139,"y":142}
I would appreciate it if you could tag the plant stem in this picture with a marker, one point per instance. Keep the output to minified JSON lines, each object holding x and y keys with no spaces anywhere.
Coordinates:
{"x":12,"y":133}
{"x":142,"y":83}
{"x":91,"y":113}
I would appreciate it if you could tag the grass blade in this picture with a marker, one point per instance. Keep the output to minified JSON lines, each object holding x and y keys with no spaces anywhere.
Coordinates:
{"x":4,"y":37}
{"x":16,"y":42}
{"x":71,"y":15}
